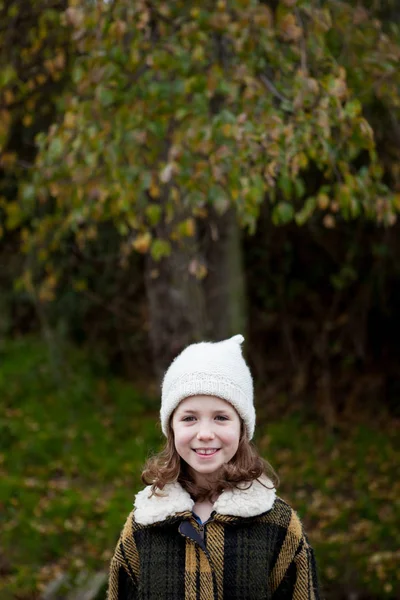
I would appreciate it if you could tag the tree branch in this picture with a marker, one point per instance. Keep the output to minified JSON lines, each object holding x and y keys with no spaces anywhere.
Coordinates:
{"x":270,"y":86}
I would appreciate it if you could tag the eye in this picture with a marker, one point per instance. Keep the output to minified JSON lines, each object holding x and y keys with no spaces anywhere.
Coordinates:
{"x":189,"y":418}
{"x":222,"y":418}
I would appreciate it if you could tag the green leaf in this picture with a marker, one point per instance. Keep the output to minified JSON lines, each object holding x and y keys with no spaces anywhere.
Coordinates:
{"x":181,"y":113}
{"x":91,"y":159}
{"x":14,"y":215}
{"x":285,"y":184}
{"x":77,"y":74}
{"x":153,"y":212}
{"x":55,"y":149}
{"x":305,"y":213}
{"x":160,"y":248}
{"x":106,"y":96}
{"x":218,"y":198}
{"x":28,"y":192}
{"x":299,"y":187}
{"x":7,"y":75}
{"x":282,"y":213}
{"x":353,"y":108}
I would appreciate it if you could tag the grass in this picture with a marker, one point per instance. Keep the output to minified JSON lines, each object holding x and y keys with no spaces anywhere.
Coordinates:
{"x":346,"y":489}
{"x":72,"y":444}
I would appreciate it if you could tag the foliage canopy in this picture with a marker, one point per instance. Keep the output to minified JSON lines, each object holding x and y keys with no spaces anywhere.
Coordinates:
{"x":173,"y":107}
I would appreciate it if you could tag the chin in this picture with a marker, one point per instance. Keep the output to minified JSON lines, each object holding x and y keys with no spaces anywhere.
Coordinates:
{"x":208,"y":471}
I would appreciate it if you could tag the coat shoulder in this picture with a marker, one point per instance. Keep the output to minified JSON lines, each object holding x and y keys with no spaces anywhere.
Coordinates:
{"x":126,"y":552}
{"x":130,"y":527}
{"x":283,"y":515}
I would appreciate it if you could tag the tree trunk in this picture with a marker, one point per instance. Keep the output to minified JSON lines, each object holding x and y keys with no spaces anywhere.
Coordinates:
{"x":183,"y":308}
{"x":224,"y":285}
{"x":176,"y":304}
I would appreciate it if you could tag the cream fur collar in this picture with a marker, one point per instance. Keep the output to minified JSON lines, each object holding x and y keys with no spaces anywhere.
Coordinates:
{"x":242,"y":502}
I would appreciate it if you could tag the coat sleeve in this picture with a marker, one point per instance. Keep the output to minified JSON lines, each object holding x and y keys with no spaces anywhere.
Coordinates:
{"x":121,"y":586}
{"x":124,"y":567}
{"x":294,"y":572}
{"x":300,"y":580}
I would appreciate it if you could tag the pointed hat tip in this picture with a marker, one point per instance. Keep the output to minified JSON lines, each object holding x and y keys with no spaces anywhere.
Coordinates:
{"x":239,"y":339}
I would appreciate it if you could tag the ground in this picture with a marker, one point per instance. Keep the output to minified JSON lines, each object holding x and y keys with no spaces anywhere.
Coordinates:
{"x":73,"y":440}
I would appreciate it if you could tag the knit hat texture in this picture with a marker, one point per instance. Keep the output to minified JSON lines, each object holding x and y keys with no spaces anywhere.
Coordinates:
{"x":211,"y":369}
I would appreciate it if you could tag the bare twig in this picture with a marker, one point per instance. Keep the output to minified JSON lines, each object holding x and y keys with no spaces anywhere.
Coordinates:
{"x":270,"y":86}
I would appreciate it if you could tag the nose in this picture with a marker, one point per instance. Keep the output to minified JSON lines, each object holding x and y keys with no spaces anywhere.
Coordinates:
{"x":205,"y":433}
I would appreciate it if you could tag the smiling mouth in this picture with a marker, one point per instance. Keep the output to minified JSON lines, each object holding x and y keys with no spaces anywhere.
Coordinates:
{"x":206,"y":451}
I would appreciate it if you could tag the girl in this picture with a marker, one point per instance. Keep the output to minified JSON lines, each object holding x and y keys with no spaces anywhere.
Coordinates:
{"x":209,"y":525}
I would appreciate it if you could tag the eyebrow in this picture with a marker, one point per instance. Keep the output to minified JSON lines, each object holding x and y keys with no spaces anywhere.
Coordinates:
{"x":195,"y":412}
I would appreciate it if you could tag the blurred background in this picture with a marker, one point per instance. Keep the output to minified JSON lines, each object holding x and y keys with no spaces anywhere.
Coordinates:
{"x":174,"y":171}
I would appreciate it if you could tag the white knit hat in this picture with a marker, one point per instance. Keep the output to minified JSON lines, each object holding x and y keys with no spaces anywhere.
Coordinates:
{"x":212,"y":369}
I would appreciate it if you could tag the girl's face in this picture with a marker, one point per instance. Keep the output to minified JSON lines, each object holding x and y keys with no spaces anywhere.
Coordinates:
{"x":206,"y":434}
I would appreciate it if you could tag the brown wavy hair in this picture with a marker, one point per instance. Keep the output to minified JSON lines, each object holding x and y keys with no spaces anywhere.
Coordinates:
{"x":168,"y":467}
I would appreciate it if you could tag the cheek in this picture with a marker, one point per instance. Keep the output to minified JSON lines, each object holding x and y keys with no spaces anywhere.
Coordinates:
{"x":182,"y":437}
{"x":232,"y":436}
{"x":238,"y":430}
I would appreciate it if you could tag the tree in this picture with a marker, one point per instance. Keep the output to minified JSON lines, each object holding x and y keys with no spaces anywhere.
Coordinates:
{"x":177,"y":111}
{"x":34,"y":61}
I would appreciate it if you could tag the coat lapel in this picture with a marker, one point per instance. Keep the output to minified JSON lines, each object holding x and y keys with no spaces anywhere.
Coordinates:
{"x":248,"y":500}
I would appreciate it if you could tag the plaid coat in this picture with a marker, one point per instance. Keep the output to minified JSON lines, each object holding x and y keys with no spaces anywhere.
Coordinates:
{"x":252,"y":548}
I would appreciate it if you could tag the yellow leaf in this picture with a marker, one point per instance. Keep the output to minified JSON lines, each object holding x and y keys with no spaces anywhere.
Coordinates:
{"x":54,"y":189}
{"x":27,"y":120}
{"x":154,"y":190}
{"x":271,"y":169}
{"x":323,"y":201}
{"x":164,"y":10}
{"x":198,"y":53}
{"x":118,"y":28}
{"x":49,"y":65}
{"x":175,"y":195}
{"x":263,"y":17}
{"x":8,"y":96}
{"x":46,"y":295}
{"x":187,"y":228}
{"x":303,"y":160}
{"x":41,"y":78}
{"x":142,"y":242}
{"x":200,"y":212}
{"x":8,"y":159}
{"x":69,"y":120}
{"x":91,"y":233}
{"x":289,"y":29}
{"x":26,"y":281}
{"x":59,"y":61}
{"x":80,"y":285}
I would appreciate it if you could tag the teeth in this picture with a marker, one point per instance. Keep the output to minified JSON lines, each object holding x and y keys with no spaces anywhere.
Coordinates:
{"x":207,"y":451}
